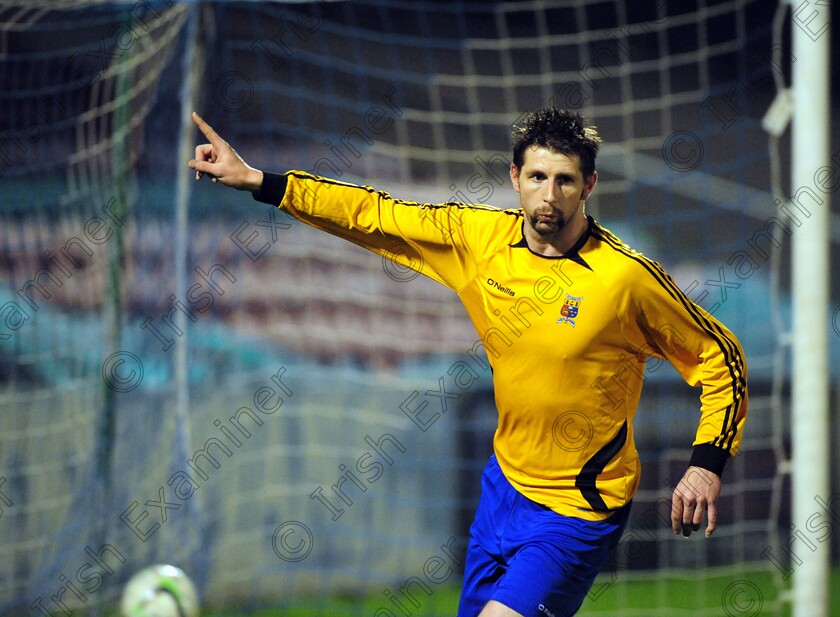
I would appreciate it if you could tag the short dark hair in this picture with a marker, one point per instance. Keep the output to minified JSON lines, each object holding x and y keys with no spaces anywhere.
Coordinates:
{"x":558,"y":130}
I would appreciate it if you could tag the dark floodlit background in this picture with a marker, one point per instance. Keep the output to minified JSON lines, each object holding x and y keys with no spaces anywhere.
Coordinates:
{"x":261,"y":404}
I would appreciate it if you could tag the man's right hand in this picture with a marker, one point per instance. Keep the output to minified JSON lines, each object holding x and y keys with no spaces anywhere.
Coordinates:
{"x":221,"y":162}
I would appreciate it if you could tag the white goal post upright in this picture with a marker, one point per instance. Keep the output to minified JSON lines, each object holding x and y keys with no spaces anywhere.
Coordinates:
{"x":810,"y":285}
{"x":191,"y":66}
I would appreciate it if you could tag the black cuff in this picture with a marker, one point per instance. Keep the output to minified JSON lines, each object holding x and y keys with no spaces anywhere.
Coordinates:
{"x":272,"y":190}
{"x":709,"y":457}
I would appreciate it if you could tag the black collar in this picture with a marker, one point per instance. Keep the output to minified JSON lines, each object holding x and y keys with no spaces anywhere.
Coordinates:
{"x":572,"y":254}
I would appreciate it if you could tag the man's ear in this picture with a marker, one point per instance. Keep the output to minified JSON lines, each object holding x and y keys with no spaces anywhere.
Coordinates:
{"x":514,"y":176}
{"x":589,"y":186}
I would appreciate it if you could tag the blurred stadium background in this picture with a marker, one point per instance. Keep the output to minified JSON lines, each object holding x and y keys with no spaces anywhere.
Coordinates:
{"x":189,"y":377}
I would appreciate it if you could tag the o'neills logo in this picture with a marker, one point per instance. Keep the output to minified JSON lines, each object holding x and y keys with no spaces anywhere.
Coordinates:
{"x":501,"y":287}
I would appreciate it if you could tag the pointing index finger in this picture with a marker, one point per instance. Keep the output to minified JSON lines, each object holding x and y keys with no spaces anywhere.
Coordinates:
{"x":208,"y":131}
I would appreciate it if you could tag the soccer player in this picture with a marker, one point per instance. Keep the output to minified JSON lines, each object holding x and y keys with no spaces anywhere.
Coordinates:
{"x":568,"y":315}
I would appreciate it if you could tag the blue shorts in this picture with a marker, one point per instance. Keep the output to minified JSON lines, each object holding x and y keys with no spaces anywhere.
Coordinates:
{"x":528,"y":557}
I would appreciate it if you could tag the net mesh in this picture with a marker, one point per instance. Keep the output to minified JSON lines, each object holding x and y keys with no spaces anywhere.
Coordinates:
{"x":79,"y":82}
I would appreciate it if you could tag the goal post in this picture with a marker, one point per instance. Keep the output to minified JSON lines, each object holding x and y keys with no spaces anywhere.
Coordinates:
{"x":811,"y":428}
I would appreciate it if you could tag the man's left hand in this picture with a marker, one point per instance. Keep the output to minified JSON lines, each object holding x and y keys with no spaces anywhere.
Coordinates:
{"x":696,"y":496}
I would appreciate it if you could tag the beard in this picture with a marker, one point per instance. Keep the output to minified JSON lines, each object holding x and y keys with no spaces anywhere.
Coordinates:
{"x":547,"y":223}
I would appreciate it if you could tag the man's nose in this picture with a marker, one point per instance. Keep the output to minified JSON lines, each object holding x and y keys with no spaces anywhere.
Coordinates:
{"x":550,"y":192}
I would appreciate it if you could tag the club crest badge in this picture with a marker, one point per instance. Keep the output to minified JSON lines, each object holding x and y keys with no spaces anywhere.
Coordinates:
{"x":570,"y":309}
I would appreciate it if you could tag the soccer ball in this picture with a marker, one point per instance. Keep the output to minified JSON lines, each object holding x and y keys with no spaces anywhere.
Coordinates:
{"x":159,"y":591}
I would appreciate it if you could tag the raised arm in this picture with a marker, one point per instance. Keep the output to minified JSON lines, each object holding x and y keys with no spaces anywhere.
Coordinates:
{"x":433,"y":239}
{"x":221,"y":162}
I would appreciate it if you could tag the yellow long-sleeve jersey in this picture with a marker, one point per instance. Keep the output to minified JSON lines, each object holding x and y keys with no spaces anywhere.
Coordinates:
{"x":567,"y":337}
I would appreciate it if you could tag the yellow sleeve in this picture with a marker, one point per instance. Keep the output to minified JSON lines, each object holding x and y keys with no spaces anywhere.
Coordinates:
{"x":431,"y":239}
{"x":704,"y":352}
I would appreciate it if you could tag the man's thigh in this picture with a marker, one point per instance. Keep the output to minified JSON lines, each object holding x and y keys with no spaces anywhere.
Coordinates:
{"x":530,"y":559}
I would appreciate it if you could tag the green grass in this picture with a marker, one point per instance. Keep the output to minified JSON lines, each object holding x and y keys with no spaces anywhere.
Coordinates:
{"x":443,"y":601}
{"x":745,"y":594}
{"x":742,"y":594}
